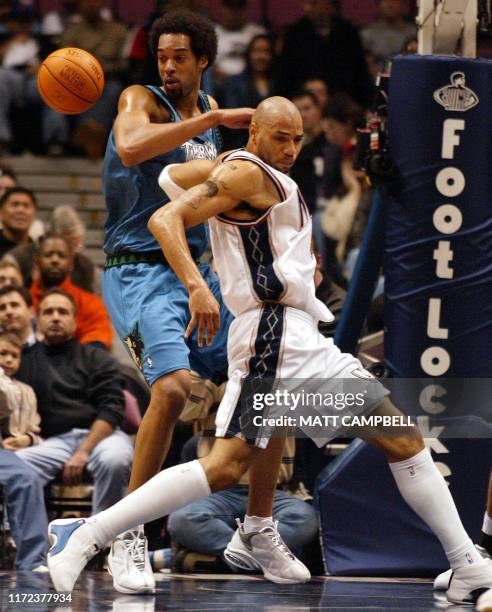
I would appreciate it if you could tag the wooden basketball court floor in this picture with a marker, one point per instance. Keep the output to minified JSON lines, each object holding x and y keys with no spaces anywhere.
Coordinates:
{"x":224,"y":593}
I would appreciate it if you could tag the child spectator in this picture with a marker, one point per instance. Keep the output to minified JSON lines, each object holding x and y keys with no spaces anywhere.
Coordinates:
{"x":21,"y":486}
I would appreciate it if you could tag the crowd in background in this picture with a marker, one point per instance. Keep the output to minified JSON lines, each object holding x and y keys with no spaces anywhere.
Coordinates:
{"x":55,"y":333}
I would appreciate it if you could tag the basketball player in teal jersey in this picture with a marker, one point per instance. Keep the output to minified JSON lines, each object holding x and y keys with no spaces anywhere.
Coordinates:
{"x":157,"y":126}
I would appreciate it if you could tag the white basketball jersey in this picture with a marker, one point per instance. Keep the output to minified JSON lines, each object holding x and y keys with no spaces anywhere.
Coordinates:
{"x":269,"y":259}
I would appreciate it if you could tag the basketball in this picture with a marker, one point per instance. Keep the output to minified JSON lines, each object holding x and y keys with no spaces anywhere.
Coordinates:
{"x":70,"y":80}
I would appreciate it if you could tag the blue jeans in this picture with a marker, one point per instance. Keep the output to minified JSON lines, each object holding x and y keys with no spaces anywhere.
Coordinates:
{"x":26,"y":510}
{"x":109,"y":463}
{"x":207,"y":525}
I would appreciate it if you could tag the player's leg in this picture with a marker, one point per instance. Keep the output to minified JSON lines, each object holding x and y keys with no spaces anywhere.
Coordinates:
{"x":151,"y":323}
{"x":74,"y":542}
{"x":153,"y":440}
{"x":426,"y":492}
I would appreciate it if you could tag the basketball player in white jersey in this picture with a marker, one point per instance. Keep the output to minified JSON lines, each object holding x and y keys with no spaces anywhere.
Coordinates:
{"x":261,"y":241}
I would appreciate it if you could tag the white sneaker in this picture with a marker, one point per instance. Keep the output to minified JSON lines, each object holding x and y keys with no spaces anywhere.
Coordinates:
{"x":71,"y":547}
{"x":129,"y":563}
{"x":468,"y":583}
{"x":484,"y":603}
{"x":265,"y":550}
{"x":40,"y":569}
{"x":441,"y":583}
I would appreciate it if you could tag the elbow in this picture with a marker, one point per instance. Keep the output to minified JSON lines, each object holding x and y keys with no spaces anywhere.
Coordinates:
{"x":129,"y":157}
{"x":158,"y":222}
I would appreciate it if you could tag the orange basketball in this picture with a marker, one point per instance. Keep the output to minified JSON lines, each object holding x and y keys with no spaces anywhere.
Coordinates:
{"x":70,"y":80}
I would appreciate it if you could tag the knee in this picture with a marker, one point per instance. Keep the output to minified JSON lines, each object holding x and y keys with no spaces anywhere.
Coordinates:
{"x":113,"y":463}
{"x":222,"y":476}
{"x":183,"y":523}
{"x":170,"y":392}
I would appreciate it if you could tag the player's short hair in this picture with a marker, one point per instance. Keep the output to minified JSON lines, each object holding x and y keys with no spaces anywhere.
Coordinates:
{"x":203,"y":38}
{"x":18,"y":189}
{"x":22,"y":291}
{"x":11,"y":338}
{"x":59,"y":291}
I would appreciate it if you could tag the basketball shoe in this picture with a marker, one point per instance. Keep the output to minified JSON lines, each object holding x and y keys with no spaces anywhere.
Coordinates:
{"x":266,"y":551}
{"x":71,"y":547}
{"x":441,"y":583}
{"x":129,"y":563}
{"x":469,"y":582}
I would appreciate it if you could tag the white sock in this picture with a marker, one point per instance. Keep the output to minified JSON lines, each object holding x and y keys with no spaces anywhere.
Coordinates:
{"x":256,"y":523}
{"x":167,"y":491}
{"x":487,"y":524}
{"x":426,"y":492}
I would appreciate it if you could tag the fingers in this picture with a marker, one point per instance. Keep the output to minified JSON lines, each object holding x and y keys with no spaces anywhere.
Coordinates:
{"x":191,"y":326}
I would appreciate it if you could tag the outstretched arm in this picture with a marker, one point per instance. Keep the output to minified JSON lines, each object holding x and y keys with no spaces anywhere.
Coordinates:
{"x":225,"y":187}
{"x":138,"y":138}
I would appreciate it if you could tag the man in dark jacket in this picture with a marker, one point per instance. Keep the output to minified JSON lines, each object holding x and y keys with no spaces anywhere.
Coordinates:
{"x":325,"y":45}
{"x":81,"y":403}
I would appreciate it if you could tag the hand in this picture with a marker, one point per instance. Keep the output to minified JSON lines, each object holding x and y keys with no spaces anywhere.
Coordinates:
{"x":15,"y":443}
{"x":74,"y":467}
{"x":205,"y":312}
{"x":236,"y":118}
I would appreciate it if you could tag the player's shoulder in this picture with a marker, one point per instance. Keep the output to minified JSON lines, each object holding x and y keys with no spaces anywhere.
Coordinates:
{"x":238,"y":175}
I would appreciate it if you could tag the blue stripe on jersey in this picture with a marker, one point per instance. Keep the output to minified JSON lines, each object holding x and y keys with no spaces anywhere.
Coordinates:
{"x":132,"y":194}
{"x":259,"y":256}
{"x":262,"y":370}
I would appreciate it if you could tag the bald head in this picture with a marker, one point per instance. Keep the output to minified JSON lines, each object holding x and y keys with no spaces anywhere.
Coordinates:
{"x":275,"y":134}
{"x":274,"y":110}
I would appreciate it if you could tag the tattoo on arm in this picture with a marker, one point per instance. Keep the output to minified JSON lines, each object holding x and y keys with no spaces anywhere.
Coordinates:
{"x":212,"y":189}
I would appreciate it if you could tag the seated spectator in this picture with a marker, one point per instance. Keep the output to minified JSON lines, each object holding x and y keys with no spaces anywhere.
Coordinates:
{"x":207,"y":526}
{"x":106,"y":41}
{"x":17,"y":214}
{"x":55,"y":265}
{"x":234,"y":34}
{"x":387,"y":35}
{"x":80,"y":399}
{"x":17,"y":314}
{"x":65,"y":221}
{"x":8,"y":178}
{"x":250,"y":87}
{"x":22,"y":488}
{"x":323,"y":44}
{"x":10,"y":274}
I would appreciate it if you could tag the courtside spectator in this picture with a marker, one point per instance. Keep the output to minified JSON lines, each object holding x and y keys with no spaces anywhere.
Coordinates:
{"x":322,"y":44}
{"x":17,"y":314}
{"x":387,"y":35}
{"x":81,"y":403}
{"x":55,"y":22}
{"x":17,"y":214}
{"x":22,"y":488}
{"x":55,"y":265}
